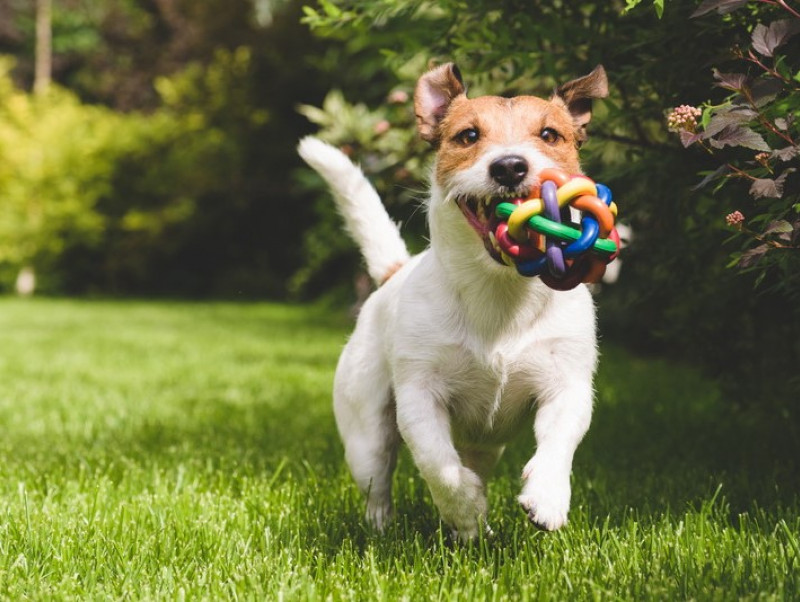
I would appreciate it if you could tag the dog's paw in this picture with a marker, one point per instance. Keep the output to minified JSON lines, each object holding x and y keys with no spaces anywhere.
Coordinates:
{"x":545,"y":497}
{"x":542,"y":514}
{"x":472,"y":534}
{"x":460,"y":496}
{"x":379,"y":514}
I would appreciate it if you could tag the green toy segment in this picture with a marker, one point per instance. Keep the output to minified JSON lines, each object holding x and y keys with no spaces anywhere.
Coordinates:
{"x":550,"y":228}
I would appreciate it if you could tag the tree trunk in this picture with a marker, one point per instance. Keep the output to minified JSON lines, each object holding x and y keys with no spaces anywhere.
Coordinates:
{"x":44,"y":51}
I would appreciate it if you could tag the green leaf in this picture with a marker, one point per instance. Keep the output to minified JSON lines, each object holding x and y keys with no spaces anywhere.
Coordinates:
{"x":708,"y":113}
{"x":331,"y":10}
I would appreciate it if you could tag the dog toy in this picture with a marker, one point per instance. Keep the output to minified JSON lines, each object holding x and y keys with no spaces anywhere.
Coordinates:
{"x":536,"y":237}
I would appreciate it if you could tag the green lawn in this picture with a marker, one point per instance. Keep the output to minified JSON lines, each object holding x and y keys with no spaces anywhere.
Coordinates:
{"x":180,"y":450}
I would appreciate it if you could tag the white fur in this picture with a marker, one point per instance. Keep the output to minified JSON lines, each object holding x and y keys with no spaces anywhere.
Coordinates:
{"x":474,"y":181}
{"x":364,"y":216}
{"x":451,"y":356}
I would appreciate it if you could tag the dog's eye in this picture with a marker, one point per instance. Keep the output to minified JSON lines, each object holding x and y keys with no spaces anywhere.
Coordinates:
{"x":550,"y":135}
{"x":468,"y":136}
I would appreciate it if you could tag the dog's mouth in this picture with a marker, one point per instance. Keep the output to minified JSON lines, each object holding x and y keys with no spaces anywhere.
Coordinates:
{"x":480,"y":214}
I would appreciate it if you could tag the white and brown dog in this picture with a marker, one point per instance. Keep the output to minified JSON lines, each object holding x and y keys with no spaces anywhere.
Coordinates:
{"x":456,"y":351}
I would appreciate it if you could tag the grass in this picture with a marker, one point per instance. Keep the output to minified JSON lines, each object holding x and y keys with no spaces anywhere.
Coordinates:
{"x":187,"y":451}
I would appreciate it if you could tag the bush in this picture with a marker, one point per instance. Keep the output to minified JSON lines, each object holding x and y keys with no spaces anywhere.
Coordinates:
{"x":99,"y":201}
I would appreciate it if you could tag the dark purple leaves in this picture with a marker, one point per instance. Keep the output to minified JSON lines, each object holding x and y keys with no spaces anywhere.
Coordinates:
{"x":752,"y":257}
{"x":786,"y":154}
{"x":767,"y":38}
{"x":727,"y":116}
{"x":764,"y":91}
{"x":781,"y":228}
{"x":689,"y":138}
{"x":767,"y":188}
{"x":730,"y":81}
{"x":735,"y":135}
{"x":721,"y":6}
{"x":764,"y":188}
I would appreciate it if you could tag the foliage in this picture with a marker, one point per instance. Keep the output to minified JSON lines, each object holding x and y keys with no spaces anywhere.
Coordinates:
{"x":755,"y":134}
{"x":56,"y":158}
{"x":220,"y":476}
{"x":61,"y":165}
{"x":184,"y":193}
{"x":112,"y":51}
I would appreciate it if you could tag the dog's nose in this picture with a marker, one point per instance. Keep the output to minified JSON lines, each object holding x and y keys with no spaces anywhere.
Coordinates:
{"x":508,"y":171}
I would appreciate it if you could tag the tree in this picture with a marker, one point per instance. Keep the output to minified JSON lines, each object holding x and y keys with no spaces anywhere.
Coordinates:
{"x":44,"y":58}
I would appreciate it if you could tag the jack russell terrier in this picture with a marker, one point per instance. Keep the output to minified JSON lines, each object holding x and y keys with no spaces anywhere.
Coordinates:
{"x":455,"y":351}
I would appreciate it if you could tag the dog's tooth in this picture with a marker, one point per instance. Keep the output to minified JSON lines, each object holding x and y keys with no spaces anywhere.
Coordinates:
{"x":493,"y":240}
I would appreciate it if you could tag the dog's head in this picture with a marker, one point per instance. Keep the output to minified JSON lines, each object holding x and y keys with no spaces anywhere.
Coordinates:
{"x":491,"y":148}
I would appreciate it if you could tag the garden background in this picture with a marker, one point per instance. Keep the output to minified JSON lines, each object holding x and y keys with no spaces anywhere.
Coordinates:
{"x":147,"y":151}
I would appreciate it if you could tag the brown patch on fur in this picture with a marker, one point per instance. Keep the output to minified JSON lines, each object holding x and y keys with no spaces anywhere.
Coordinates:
{"x":505,"y":122}
{"x":391,"y":272}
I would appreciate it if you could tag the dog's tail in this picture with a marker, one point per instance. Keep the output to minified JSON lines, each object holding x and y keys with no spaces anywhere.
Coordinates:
{"x":359,"y":204}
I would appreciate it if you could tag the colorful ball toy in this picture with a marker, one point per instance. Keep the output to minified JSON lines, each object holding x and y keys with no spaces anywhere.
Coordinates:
{"x":536,"y":237}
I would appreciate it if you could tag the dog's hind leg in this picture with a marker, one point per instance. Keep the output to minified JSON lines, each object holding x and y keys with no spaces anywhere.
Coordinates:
{"x":365,"y":417}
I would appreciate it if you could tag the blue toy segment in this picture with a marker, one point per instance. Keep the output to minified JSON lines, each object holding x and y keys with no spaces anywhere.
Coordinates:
{"x":604,"y":193}
{"x":532,"y":267}
{"x":590,"y":230}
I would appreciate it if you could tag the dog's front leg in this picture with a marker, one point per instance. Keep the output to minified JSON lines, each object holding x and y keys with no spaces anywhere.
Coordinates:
{"x":560,"y":425}
{"x":458,"y":492}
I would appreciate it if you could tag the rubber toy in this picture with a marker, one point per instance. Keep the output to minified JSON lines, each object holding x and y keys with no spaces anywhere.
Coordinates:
{"x":538,"y":238}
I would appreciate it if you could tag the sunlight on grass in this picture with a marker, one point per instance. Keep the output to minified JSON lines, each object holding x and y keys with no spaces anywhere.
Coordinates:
{"x":170,"y":450}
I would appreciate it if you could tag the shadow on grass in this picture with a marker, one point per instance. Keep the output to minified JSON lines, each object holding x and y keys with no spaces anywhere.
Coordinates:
{"x":664,"y":438}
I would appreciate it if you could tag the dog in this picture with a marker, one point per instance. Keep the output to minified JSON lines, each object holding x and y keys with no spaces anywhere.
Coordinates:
{"x":454,"y":350}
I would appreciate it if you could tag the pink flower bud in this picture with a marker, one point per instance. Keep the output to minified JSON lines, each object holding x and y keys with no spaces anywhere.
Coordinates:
{"x":683,"y":118}
{"x":735,"y":220}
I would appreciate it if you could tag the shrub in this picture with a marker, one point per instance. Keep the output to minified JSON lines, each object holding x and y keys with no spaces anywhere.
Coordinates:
{"x":102,"y":201}
{"x":754,"y":135}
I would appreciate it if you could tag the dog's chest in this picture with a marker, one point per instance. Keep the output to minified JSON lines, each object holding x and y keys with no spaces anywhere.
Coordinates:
{"x":489,"y":392}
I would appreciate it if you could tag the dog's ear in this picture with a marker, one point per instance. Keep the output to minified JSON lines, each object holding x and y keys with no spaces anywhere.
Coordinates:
{"x":578,"y":94}
{"x":432,"y":97}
